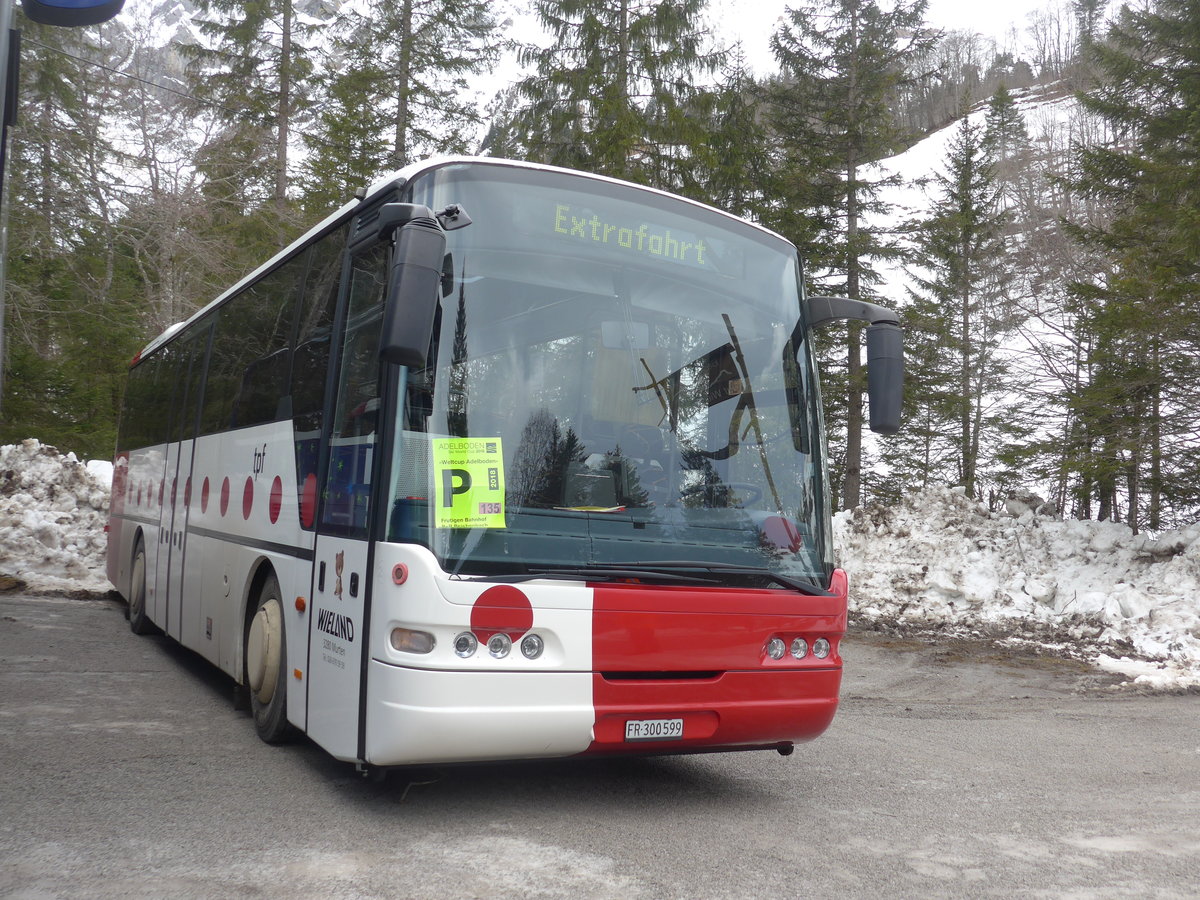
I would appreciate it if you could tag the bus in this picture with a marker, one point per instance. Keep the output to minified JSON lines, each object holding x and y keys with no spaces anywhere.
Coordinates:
{"x":500,"y":461}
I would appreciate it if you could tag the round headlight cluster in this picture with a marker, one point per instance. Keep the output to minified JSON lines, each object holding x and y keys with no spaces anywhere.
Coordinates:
{"x":777,"y":648}
{"x":498,"y":645}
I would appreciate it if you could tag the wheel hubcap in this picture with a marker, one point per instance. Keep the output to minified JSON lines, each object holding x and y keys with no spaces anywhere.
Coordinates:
{"x":262,"y":650}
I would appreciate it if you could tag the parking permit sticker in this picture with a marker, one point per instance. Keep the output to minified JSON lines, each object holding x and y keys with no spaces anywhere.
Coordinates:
{"x":468,"y":484}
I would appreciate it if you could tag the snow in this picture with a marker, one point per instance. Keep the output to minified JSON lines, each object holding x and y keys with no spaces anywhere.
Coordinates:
{"x":53,"y":510}
{"x":936,"y":562}
{"x":939,"y":561}
{"x":1051,"y":115}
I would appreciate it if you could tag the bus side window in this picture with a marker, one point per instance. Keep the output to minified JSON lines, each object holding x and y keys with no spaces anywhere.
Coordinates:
{"x":251,"y":357}
{"x":267,"y":310}
{"x":354,"y":427}
{"x":310,"y":365}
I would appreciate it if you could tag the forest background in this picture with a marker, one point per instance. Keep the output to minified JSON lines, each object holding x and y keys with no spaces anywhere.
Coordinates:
{"x":1051,"y":315}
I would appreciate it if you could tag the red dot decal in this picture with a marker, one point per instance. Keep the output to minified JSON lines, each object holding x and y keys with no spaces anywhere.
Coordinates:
{"x":501,"y":609}
{"x":248,"y":497}
{"x":204,"y":495}
{"x":139,"y":502}
{"x":308,"y":501}
{"x":161,"y":485}
{"x":187,"y":492}
{"x":276,"y":499}
{"x":225,"y":495}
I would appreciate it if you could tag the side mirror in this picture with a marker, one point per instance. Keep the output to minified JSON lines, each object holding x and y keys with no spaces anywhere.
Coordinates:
{"x":885,"y":376}
{"x":414,"y":290}
{"x":885,"y":354}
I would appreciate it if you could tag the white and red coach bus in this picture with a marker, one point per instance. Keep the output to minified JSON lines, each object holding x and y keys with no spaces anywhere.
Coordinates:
{"x":500,"y":461}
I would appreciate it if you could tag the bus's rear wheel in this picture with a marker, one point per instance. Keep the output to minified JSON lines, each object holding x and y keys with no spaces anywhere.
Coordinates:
{"x":139,"y":622}
{"x":266,"y":661}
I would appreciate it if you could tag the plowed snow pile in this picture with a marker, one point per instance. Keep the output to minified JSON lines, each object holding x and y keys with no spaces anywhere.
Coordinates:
{"x":941,"y":561}
{"x":53,"y":510}
{"x":937,"y":561}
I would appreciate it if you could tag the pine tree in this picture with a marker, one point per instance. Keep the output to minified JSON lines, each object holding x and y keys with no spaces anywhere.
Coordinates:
{"x":1088,"y":16}
{"x":1006,"y":142}
{"x":69,"y":330}
{"x":253,"y":73}
{"x":963,"y":307}
{"x":615,"y":92}
{"x":841,"y":66}
{"x":397,"y":90}
{"x":1141,"y":407}
{"x":733,"y":166}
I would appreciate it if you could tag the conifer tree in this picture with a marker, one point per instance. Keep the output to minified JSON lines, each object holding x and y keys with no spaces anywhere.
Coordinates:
{"x":396,"y":90}
{"x":1088,"y":16}
{"x":68,"y":331}
{"x":1006,"y":142}
{"x":960,"y":311}
{"x":253,"y":72}
{"x":733,"y":168}
{"x":841,"y":65}
{"x":615,"y":93}
{"x":1141,"y":407}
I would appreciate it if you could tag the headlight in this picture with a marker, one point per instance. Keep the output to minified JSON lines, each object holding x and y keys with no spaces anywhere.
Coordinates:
{"x":532,"y":646}
{"x":799,"y":648}
{"x":776,"y":648}
{"x":820,"y":648}
{"x":499,"y":645}
{"x":465,"y":644}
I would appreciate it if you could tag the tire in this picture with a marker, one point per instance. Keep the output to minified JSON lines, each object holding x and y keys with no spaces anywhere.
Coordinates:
{"x":139,"y":621}
{"x":266,"y":665}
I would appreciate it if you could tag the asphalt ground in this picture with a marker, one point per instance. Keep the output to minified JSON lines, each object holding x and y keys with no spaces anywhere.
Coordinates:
{"x":951,"y":770}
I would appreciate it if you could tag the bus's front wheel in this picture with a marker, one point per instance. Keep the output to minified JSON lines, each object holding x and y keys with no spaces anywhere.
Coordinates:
{"x":266,"y":661}
{"x":139,"y":621}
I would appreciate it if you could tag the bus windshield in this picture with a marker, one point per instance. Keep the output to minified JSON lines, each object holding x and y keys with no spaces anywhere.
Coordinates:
{"x":617,"y":377}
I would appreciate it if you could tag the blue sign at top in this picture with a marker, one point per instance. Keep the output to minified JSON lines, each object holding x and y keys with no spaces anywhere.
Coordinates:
{"x":71,"y":12}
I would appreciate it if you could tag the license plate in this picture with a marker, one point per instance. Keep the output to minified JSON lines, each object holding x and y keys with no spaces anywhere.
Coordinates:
{"x":654,"y":729}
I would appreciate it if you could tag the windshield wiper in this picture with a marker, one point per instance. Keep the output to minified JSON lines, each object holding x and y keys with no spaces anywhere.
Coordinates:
{"x":796,"y":584}
{"x":660,"y":570}
{"x":618,"y":572}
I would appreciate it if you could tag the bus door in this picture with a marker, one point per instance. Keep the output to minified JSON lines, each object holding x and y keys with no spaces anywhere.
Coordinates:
{"x":185,"y":406}
{"x":338,"y":630}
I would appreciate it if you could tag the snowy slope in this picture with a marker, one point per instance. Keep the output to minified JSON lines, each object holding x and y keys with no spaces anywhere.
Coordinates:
{"x":936,"y":562}
{"x":1051,"y":117}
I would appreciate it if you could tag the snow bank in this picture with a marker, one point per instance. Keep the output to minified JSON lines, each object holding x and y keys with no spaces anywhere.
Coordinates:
{"x":936,"y":561}
{"x":53,"y":510}
{"x":1129,"y":602}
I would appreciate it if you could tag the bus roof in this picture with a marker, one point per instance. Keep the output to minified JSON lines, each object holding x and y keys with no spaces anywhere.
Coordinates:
{"x":397,"y":179}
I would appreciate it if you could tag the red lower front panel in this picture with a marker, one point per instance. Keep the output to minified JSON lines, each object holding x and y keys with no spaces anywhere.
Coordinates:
{"x":661,"y":655}
{"x":735,"y":710}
